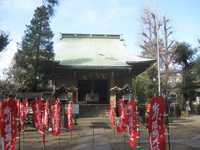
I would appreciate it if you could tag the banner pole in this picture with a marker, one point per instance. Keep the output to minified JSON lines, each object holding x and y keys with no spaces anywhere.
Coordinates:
{"x":114,"y":128}
{"x":93,"y":138}
{"x":114,"y":122}
{"x":59,"y":138}
{"x":71,"y":121}
{"x":167,"y":119}
{"x":19,"y":125}
{"x":48,"y":113}
{"x":138,"y":126}
{"x":60,"y":109}
{"x":137,"y":111}
{"x":23,"y":126}
{"x":59,"y":135}
{"x":23,"y":140}
{"x":43,"y":118}
{"x":124,"y":140}
{"x":71,"y":134}
{"x":44,"y":134}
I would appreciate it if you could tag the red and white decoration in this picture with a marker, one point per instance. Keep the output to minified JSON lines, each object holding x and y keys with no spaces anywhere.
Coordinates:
{"x":69,"y":111}
{"x":20,"y":113}
{"x":6,"y":100}
{"x":156,"y":127}
{"x":131,"y":122}
{"x":25,"y":102}
{"x":45,"y":113}
{"x":9,"y":125}
{"x":111,"y":114}
{"x":121,"y":121}
{"x":37,"y":115}
{"x":55,"y":119}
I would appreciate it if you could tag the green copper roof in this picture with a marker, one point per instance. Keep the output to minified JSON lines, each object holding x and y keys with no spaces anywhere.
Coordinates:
{"x":95,"y":51}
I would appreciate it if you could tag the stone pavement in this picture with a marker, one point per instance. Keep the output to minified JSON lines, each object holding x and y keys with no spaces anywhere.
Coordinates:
{"x":97,"y":134}
{"x":93,"y":139}
{"x":184,"y":135}
{"x":194,"y":142}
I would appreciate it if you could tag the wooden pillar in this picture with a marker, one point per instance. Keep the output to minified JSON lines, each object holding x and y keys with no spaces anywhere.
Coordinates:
{"x":112,"y":84}
{"x":77,"y":96}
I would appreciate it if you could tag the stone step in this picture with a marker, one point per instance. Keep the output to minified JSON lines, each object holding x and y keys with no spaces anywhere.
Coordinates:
{"x":93,"y":123}
{"x":93,"y":110}
{"x":94,"y":119}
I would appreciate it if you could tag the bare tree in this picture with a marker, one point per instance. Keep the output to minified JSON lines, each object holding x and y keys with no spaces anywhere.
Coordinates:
{"x":148,"y":42}
{"x":168,"y":51}
{"x":149,"y":34}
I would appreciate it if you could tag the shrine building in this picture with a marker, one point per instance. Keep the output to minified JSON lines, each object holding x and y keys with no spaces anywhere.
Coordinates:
{"x":92,"y":64}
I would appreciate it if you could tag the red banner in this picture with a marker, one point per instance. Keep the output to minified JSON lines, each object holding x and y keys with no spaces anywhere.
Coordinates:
{"x":121,"y":121}
{"x":9,"y":125}
{"x":20,"y":113}
{"x":131,"y":122}
{"x":55,"y":119}
{"x":37,"y":115}
{"x":111,"y":114}
{"x":25,"y":107}
{"x":156,"y":127}
{"x":45,"y":115}
{"x":69,"y":111}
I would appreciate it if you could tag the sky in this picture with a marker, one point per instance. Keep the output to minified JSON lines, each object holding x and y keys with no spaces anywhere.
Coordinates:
{"x":99,"y":17}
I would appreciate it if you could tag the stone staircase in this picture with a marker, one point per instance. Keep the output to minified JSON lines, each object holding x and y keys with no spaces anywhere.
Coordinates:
{"x":93,"y":116}
{"x":83,"y":123}
{"x":93,"y":110}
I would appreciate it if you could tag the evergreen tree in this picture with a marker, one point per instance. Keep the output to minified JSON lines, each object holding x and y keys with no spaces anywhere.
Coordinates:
{"x":34,"y":60}
{"x":50,"y":5}
{"x":145,"y":85}
{"x":185,"y":56}
{"x":4,"y":40}
{"x":196,"y":68}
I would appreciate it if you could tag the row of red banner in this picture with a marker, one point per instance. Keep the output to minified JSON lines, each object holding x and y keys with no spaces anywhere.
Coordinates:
{"x":155,"y":124}
{"x":10,"y":110}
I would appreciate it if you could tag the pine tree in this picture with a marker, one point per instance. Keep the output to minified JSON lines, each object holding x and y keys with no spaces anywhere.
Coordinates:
{"x":50,"y":5}
{"x":4,"y":40}
{"x":185,"y":56}
{"x":34,"y":60}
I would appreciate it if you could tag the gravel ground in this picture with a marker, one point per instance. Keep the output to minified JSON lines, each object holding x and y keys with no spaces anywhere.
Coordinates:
{"x":184,"y":135}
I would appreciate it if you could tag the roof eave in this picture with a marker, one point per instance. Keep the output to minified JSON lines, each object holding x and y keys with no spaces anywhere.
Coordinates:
{"x":140,"y":66}
{"x":97,"y":67}
{"x":149,"y":61}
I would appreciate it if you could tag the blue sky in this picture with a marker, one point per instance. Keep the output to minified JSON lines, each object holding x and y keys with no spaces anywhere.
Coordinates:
{"x":99,"y":16}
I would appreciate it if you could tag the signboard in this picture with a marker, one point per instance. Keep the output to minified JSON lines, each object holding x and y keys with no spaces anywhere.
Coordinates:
{"x":75,"y":108}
